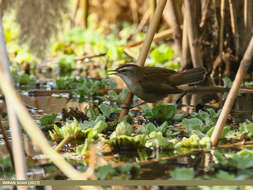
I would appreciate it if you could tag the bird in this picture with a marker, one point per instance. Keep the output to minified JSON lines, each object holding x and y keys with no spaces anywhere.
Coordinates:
{"x":152,"y":84}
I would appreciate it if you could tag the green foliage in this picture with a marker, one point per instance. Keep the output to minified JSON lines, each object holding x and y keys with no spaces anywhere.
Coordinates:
{"x":105,"y":172}
{"x":66,"y":62}
{"x":240,"y":161}
{"x":192,"y":124}
{"x":159,"y":112}
{"x":182,"y":174}
{"x":123,"y":142}
{"x":5,"y":162}
{"x":70,"y":128}
{"x":156,"y":140}
{"x":248,"y":128}
{"x":162,"y":54}
{"x":23,"y":79}
{"x":194,"y":141}
{"x":108,"y":172}
{"x":83,"y":87}
{"x":227,"y":82}
{"x":224,"y":175}
{"x":48,"y":119}
{"x":107,"y":110}
{"x":123,"y":128}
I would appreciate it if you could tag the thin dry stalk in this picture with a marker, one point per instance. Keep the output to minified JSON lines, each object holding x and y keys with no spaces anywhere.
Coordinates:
{"x":62,"y":143}
{"x":152,"y":7}
{"x":223,"y":3}
{"x":234,"y":25}
{"x":248,"y":8}
{"x":171,"y":16}
{"x":151,"y":32}
{"x":185,"y":56}
{"x":145,"y":48}
{"x":16,"y":134}
{"x":85,"y":12}
{"x":134,"y":9}
{"x":244,"y":65}
{"x":144,"y":21}
{"x":34,"y":132}
{"x":192,"y":35}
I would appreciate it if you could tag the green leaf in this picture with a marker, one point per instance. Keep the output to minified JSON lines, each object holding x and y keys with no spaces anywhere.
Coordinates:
{"x":227,"y":82}
{"x":48,"y":119}
{"x":192,"y":124}
{"x":182,"y":174}
{"x":160,"y":112}
{"x":157,"y":141}
{"x":123,"y":128}
{"x":225,"y":175}
{"x":150,"y":127}
{"x":162,"y":54}
{"x":107,"y":110}
{"x":105,"y":172}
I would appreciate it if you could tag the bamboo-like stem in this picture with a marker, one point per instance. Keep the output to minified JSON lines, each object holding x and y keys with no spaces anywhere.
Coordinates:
{"x":205,"y":5}
{"x":85,"y":11}
{"x":145,"y":47}
{"x":223,"y":3}
{"x":192,"y":35}
{"x":144,"y":21}
{"x":17,"y":141}
{"x":75,"y":9}
{"x":134,"y":9}
{"x":234,"y":26}
{"x":248,"y":8}
{"x":185,"y":56}
{"x":172,"y":17}
{"x":151,"y":32}
{"x":152,"y":7}
{"x":244,"y":65}
{"x":34,"y":132}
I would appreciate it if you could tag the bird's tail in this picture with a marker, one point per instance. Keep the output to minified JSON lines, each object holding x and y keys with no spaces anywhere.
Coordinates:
{"x":190,"y":76}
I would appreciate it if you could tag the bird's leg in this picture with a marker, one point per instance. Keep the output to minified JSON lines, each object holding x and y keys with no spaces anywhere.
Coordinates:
{"x":131,"y":107}
{"x":180,"y":97}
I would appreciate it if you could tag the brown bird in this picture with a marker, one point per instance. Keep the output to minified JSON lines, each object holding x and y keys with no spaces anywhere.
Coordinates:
{"x":152,"y":84}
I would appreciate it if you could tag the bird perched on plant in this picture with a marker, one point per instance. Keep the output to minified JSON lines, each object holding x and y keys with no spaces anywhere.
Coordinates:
{"x":152,"y":84}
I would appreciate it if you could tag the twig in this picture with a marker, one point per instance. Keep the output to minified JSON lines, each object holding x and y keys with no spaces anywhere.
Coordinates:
{"x":144,"y":21}
{"x":62,"y":143}
{"x":244,"y":65}
{"x":158,"y":37}
{"x":89,"y":56}
{"x":126,"y":104}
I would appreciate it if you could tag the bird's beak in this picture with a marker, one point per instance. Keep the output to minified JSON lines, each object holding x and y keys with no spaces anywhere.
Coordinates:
{"x":112,"y":72}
